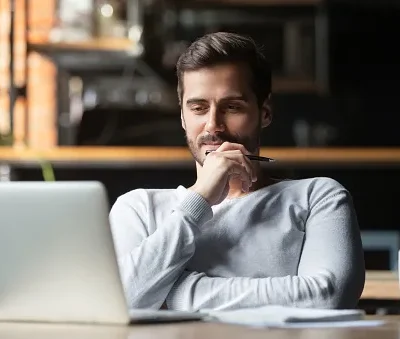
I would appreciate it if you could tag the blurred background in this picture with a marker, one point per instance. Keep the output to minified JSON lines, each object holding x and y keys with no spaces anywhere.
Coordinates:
{"x":92,"y":83}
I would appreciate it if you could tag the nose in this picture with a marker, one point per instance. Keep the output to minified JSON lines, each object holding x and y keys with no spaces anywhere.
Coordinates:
{"x":215,"y":122}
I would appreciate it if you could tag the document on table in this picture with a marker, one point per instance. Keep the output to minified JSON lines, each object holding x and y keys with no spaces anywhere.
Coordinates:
{"x":291,"y":317}
{"x":331,"y":324}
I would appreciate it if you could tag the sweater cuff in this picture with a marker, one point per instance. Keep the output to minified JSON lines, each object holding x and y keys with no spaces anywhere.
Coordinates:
{"x":195,"y":205}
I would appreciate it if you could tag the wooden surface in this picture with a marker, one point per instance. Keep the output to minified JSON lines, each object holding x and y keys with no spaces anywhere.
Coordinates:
{"x":258,"y":2}
{"x":381,"y":285}
{"x":165,"y":155}
{"x":390,"y":330}
{"x":103,"y":44}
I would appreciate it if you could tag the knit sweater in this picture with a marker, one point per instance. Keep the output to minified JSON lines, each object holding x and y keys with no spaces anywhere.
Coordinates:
{"x":294,"y":243}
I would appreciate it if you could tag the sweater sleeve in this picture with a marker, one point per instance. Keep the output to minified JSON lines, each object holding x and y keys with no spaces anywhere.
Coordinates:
{"x":149,"y":264}
{"x":331,"y":271}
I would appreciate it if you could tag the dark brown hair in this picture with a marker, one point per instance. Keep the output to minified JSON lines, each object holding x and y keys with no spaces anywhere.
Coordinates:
{"x":222,"y":47}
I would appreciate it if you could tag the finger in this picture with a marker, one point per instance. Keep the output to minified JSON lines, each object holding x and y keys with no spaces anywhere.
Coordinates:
{"x":244,"y":161}
{"x":250,"y":167}
{"x":231,"y":147}
{"x":238,"y":171}
{"x":245,"y":188}
{"x":244,"y":185}
{"x":238,"y":157}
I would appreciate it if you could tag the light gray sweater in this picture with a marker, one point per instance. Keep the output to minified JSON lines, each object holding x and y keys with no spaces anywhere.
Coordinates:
{"x":294,"y":243}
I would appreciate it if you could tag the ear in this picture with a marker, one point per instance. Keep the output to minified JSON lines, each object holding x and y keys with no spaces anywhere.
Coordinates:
{"x":266,"y":112}
{"x":183,"y":121}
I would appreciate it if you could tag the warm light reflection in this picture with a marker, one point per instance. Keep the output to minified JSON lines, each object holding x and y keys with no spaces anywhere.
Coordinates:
{"x":106,"y":10}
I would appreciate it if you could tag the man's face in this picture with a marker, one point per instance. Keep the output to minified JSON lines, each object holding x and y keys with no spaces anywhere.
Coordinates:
{"x":218,"y":105}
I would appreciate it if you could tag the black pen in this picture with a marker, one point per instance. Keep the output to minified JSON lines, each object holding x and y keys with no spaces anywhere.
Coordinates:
{"x":253,"y":157}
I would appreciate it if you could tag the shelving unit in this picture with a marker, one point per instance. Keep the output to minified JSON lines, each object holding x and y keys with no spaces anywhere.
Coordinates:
{"x":35,"y":70}
{"x":97,"y":51}
{"x":292,"y":17}
{"x":15,"y":91}
{"x":113,"y":53}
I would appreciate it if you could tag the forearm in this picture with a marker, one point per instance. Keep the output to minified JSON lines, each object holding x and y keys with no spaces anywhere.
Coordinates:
{"x":149,"y":269}
{"x":330,"y":273}
{"x":194,"y":291}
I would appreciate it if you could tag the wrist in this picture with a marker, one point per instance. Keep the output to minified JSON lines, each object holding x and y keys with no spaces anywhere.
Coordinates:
{"x":200,"y":192}
{"x":194,"y":204}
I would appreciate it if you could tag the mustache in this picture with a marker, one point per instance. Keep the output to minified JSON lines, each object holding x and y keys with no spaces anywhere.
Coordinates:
{"x":220,"y":138}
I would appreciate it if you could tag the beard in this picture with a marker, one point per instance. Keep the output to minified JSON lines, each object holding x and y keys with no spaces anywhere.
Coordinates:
{"x":251,"y":143}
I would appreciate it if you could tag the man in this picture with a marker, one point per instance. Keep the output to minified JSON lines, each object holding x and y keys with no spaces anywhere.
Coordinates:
{"x":236,"y":238}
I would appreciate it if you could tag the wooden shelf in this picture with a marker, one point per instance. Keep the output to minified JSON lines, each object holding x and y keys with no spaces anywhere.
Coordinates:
{"x":111,"y":156}
{"x":256,"y":2}
{"x":382,"y":285}
{"x":95,"y":54}
{"x":110,"y":45}
{"x":125,"y":47}
{"x":335,"y":155}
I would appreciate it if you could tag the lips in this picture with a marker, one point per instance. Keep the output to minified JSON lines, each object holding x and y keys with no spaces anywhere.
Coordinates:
{"x":217,"y":144}
{"x":212,"y":146}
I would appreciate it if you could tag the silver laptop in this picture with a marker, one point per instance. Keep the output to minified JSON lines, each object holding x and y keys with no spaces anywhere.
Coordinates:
{"x":57,"y":257}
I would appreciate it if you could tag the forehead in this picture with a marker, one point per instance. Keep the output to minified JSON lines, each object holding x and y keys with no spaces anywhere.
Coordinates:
{"x":217,"y":82}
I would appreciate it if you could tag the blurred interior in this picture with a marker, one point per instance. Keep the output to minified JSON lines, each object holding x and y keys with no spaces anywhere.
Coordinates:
{"x":101,"y":73}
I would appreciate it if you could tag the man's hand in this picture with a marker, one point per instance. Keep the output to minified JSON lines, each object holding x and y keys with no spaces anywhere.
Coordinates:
{"x":224,"y":164}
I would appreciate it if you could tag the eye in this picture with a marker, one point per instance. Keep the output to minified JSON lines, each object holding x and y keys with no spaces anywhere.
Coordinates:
{"x":197,"y":109}
{"x":234,"y":107}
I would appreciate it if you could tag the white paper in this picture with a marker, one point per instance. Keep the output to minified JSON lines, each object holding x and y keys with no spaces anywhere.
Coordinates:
{"x":332,"y":324}
{"x":279,"y":316}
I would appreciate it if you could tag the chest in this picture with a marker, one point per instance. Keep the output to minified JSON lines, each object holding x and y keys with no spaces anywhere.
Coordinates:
{"x":266,"y":242}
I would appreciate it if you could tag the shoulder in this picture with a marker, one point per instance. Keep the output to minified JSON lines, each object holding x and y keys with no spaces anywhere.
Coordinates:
{"x":327,"y":198}
{"x":323,"y":189}
{"x":323,"y":186}
{"x":143,"y":200}
{"x":311,"y":186}
{"x":314,"y":190}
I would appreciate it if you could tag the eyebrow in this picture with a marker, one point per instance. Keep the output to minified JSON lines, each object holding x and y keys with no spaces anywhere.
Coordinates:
{"x":235,"y":97}
{"x":195,"y":101}
{"x":228,"y":98}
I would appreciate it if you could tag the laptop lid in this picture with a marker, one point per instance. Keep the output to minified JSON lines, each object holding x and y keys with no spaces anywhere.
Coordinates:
{"x":57,"y":258}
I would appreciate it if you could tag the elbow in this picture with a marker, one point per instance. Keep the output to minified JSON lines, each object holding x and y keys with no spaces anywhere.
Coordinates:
{"x":140,"y":298}
{"x":339,"y":293}
{"x":351,"y":290}
{"x":145,"y":301}
{"x":348,"y":289}
{"x":331,"y":294}
{"x":326,"y":292}
{"x":323,"y":292}
{"x":141,"y":294}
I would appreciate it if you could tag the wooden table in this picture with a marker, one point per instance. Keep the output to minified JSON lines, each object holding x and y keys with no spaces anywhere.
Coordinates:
{"x":382,"y":285}
{"x":391,"y":330}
